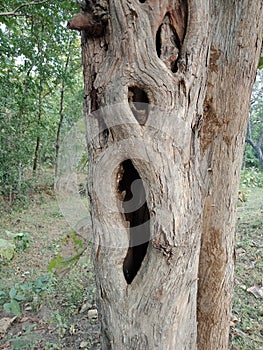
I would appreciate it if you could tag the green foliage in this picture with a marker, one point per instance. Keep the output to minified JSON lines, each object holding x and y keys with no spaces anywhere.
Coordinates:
{"x":7,"y":250}
{"x":255,"y":128}
{"x":250,"y":158}
{"x":260,"y":64}
{"x":13,"y":306}
{"x":70,"y":290}
{"x":77,"y":240}
{"x":23,"y":292}
{"x":61,"y":264}
{"x":21,"y":240}
{"x":61,"y":324}
{"x":38,"y":58}
{"x":251,"y":177}
{"x":15,"y":242}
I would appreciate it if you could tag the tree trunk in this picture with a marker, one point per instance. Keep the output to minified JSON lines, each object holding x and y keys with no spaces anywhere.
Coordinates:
{"x":38,"y":127}
{"x":61,"y":107}
{"x":234,"y":56}
{"x":40,"y":106}
{"x":167,"y":87}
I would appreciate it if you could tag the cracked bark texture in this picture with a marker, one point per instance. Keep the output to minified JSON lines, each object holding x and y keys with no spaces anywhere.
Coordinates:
{"x":195,"y":61}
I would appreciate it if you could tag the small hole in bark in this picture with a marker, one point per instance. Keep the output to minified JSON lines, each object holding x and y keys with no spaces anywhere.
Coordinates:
{"x":132,"y":194}
{"x":174,"y":67}
{"x":138,"y":101}
{"x":142,"y":1}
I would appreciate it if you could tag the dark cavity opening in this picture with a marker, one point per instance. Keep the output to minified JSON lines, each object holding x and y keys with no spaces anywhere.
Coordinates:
{"x":132,"y":194}
{"x":138,"y":101}
{"x":158,"y":41}
{"x":142,"y":1}
{"x":168,"y":44}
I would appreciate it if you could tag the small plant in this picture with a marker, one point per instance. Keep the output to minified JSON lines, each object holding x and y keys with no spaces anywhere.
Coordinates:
{"x":13,"y":306}
{"x":7,"y":250}
{"x":61,"y":324}
{"x":41,"y":284}
{"x":15,"y":242}
{"x":22,"y":241}
{"x":23,"y":292}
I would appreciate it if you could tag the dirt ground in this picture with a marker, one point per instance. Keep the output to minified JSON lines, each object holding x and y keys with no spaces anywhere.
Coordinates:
{"x":63,"y":315}
{"x":59,"y":311}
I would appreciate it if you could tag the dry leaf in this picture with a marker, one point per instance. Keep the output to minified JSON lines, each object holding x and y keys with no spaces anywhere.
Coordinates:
{"x":256,"y":291}
{"x":4,"y":324}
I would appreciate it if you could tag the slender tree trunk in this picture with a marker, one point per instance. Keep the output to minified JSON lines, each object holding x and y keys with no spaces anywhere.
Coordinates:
{"x":60,"y":123}
{"x":39,"y":116}
{"x":234,"y":56}
{"x":21,"y":165}
{"x":167,"y":93}
{"x":61,"y":108}
{"x":40,"y":105}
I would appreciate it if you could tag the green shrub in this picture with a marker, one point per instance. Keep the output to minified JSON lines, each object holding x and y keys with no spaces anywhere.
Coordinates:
{"x":21,"y":293}
{"x":251,"y":177}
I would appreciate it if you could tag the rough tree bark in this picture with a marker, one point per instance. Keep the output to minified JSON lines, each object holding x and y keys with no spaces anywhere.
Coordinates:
{"x":193,"y":63}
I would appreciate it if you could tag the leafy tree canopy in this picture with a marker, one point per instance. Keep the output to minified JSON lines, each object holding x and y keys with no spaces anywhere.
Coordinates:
{"x":39,"y":58}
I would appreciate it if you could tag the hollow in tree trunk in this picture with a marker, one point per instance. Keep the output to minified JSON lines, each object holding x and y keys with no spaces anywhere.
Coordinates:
{"x":167,"y":89}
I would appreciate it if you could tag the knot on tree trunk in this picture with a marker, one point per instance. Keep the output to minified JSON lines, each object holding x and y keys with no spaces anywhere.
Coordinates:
{"x":92,"y":19}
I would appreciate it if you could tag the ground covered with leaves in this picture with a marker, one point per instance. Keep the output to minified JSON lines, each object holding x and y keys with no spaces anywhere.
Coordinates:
{"x":46,"y":303}
{"x":247,"y":312}
{"x":47,"y":295}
